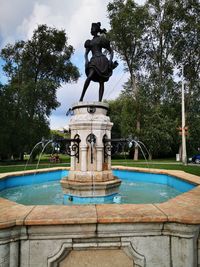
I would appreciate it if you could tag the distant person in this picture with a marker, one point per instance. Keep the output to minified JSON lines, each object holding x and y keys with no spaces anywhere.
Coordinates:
{"x":52,"y":158}
{"x":57,"y":158}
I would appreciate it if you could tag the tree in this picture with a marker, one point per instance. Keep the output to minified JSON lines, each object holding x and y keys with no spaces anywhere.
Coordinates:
{"x":128,"y":24}
{"x":161,"y":118}
{"x":35,"y":69}
{"x":5,"y":122}
{"x":158,"y":123}
{"x":158,"y":63}
{"x":154,"y":41}
{"x":186,"y":53}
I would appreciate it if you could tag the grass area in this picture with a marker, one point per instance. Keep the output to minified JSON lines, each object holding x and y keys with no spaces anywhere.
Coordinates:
{"x":193,"y":169}
{"x":15,"y":168}
{"x":169,"y":164}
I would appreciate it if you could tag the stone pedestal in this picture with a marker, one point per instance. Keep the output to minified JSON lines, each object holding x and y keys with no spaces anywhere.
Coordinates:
{"x":90,"y":173}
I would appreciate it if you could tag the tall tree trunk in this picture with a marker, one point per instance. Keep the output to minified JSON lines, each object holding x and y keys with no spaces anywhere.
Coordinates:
{"x":180,"y":151}
{"x":22,"y":156}
{"x":135,"y":92}
{"x":136,"y":152}
{"x":150,"y":156}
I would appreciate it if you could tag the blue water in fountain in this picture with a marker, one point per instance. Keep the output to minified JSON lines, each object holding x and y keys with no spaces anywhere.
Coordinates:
{"x":136,"y":187}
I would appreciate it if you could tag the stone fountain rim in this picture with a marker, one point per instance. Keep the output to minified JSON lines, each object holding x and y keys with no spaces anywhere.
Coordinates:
{"x":181,"y":209}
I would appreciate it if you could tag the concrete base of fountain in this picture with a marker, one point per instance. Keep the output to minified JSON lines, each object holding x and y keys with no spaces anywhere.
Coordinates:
{"x":91,"y":188}
{"x":91,"y":176}
{"x":90,"y":171}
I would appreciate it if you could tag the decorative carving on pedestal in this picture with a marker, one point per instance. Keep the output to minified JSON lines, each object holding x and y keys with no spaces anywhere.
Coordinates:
{"x":90,"y":174}
{"x":73,"y":149}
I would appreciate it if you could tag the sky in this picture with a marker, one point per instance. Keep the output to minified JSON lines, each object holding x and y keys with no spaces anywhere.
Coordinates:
{"x":18,"y":19}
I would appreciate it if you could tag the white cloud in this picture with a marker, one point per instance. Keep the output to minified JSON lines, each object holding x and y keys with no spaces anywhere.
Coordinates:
{"x":40,"y":15}
{"x":74,"y":16}
{"x":19,"y":18}
{"x":89,"y":11}
{"x":12,"y":14}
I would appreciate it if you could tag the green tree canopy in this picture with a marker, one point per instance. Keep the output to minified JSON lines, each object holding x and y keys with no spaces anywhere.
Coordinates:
{"x":128,"y":25}
{"x":154,"y":40}
{"x":35,"y":68}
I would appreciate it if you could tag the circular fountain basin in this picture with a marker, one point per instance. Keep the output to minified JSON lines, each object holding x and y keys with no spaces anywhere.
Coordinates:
{"x":44,"y":188}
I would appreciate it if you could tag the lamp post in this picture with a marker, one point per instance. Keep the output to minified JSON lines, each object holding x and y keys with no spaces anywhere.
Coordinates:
{"x":184,"y":153}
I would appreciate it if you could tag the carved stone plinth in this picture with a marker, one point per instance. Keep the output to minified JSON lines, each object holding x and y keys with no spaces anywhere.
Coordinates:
{"x":90,"y":172}
{"x":90,"y":189}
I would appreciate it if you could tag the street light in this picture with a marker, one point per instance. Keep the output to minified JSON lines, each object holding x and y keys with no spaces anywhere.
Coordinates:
{"x":184,"y":153}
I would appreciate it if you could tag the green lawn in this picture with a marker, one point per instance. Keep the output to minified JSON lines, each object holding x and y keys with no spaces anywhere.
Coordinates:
{"x":169,"y":164}
{"x":26,"y":165}
{"x":193,"y":169}
{"x":14,"y":168}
